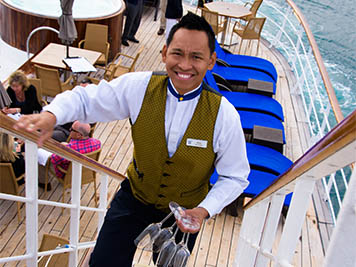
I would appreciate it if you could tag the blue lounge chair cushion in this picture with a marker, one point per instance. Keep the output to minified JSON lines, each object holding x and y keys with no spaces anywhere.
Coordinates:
{"x":248,"y":101}
{"x":243,"y":75}
{"x":259,"y":181}
{"x":267,"y":159}
{"x":248,"y":62}
{"x":254,"y":102}
{"x":249,"y":119}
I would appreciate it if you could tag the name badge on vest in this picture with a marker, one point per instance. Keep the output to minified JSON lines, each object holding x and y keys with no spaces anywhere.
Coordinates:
{"x":197,"y":143}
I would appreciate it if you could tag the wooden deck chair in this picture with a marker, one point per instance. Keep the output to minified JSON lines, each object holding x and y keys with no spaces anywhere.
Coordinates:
{"x":50,"y":242}
{"x":8,"y":183}
{"x":216,"y":22}
{"x":88,"y":176}
{"x":114,"y":70}
{"x":37,"y":83}
{"x":51,"y":84}
{"x":252,"y":31}
{"x":96,"y":39}
{"x":122,"y":69}
{"x":253,"y":9}
{"x":109,"y":72}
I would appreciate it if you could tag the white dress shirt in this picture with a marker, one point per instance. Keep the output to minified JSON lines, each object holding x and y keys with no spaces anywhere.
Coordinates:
{"x":122,"y":98}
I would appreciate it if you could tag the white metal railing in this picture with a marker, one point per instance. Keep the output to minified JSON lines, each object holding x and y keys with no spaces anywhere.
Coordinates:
{"x":262,"y":214}
{"x":31,"y":201}
{"x":291,"y":40}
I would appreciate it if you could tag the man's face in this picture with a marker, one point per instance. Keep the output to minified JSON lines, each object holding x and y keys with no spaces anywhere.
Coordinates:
{"x":187,"y":59}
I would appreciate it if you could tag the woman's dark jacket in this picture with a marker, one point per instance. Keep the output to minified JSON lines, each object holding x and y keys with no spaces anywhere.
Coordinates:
{"x":29,"y":105}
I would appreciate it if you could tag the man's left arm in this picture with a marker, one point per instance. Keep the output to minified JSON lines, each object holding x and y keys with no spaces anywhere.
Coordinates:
{"x":231,"y":162}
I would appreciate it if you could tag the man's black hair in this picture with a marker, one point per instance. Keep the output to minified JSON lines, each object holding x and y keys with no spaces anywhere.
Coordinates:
{"x":194,"y":22}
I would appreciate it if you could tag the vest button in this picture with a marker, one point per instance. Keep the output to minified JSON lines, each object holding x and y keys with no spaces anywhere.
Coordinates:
{"x":169,"y":162}
{"x":160,"y":196}
{"x":166,"y":174}
{"x":163,"y":185}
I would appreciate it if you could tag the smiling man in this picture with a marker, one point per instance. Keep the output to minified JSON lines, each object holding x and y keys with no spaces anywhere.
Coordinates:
{"x":181,"y":130}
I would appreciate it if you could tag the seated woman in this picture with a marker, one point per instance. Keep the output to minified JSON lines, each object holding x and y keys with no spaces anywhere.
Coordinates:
{"x":23,"y":95}
{"x":8,"y":155}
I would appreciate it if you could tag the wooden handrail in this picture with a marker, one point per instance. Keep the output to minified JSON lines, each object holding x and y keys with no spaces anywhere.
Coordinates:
{"x":52,"y":145}
{"x":319,"y":61}
{"x":343,"y":134}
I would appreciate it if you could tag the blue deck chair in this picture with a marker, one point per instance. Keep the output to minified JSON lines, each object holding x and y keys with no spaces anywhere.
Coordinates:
{"x":266,"y":165}
{"x":248,"y":101}
{"x":267,"y":159}
{"x":259,"y":181}
{"x":249,"y":119}
{"x":242,"y":75}
{"x":242,"y":61}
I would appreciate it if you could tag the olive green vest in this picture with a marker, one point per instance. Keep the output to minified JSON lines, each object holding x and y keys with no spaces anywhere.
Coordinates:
{"x":156,"y":178}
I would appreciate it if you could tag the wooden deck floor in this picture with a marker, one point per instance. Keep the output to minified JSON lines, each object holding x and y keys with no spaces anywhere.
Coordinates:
{"x":217,"y":241}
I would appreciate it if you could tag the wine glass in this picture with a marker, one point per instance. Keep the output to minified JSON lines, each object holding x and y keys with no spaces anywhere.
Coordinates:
{"x":179,"y":213}
{"x":163,"y":236}
{"x":148,"y":235}
{"x":167,"y":252}
{"x":182,"y":255}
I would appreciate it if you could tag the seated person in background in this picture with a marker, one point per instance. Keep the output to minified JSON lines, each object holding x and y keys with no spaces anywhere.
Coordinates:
{"x":62,"y":132}
{"x":80,"y":141}
{"x":8,"y":154}
{"x":23,"y":95}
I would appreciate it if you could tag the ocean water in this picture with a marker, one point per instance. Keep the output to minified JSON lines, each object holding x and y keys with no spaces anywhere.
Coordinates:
{"x":333,"y":25}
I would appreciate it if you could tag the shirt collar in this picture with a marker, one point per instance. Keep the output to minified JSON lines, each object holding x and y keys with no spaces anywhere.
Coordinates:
{"x":187,"y":96}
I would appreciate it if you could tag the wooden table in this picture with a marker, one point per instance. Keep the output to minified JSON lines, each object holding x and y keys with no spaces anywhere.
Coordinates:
{"x":228,"y":10}
{"x":53,"y":54}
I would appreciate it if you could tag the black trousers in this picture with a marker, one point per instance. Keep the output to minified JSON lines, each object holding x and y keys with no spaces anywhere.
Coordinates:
{"x":133,"y":19}
{"x":124,"y":221}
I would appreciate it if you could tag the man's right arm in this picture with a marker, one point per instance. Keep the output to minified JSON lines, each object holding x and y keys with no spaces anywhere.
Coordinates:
{"x":119,"y":99}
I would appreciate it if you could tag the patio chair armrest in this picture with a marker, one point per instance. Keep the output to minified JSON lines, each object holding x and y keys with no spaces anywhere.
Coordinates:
{"x":81,"y":42}
{"x":222,"y":62}
{"x":94,"y":80}
{"x":226,"y":50}
{"x":20,"y":177}
{"x":61,"y":169}
{"x":121,"y":54}
{"x":221,"y":81}
{"x":247,"y":3}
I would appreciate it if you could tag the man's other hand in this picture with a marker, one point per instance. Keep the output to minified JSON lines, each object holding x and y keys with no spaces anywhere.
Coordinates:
{"x":197,"y":215}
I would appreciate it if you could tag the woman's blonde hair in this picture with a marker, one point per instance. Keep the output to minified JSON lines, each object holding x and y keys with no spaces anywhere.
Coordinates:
{"x":20,"y":78}
{"x":7,"y":148}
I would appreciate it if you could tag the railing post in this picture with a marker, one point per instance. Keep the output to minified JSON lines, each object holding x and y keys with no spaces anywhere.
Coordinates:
{"x":256,"y":226}
{"x":295,"y":218}
{"x":102,"y":199}
{"x":31,"y":171}
{"x":269,"y":232}
{"x":243,"y":236}
{"x":342,"y":249}
{"x":75,"y":212}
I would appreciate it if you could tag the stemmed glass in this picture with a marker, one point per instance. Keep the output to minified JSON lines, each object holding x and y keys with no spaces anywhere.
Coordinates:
{"x":163,"y":236}
{"x":182,"y":255}
{"x":148,"y":235}
{"x":186,"y":220}
{"x":167,"y":252}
